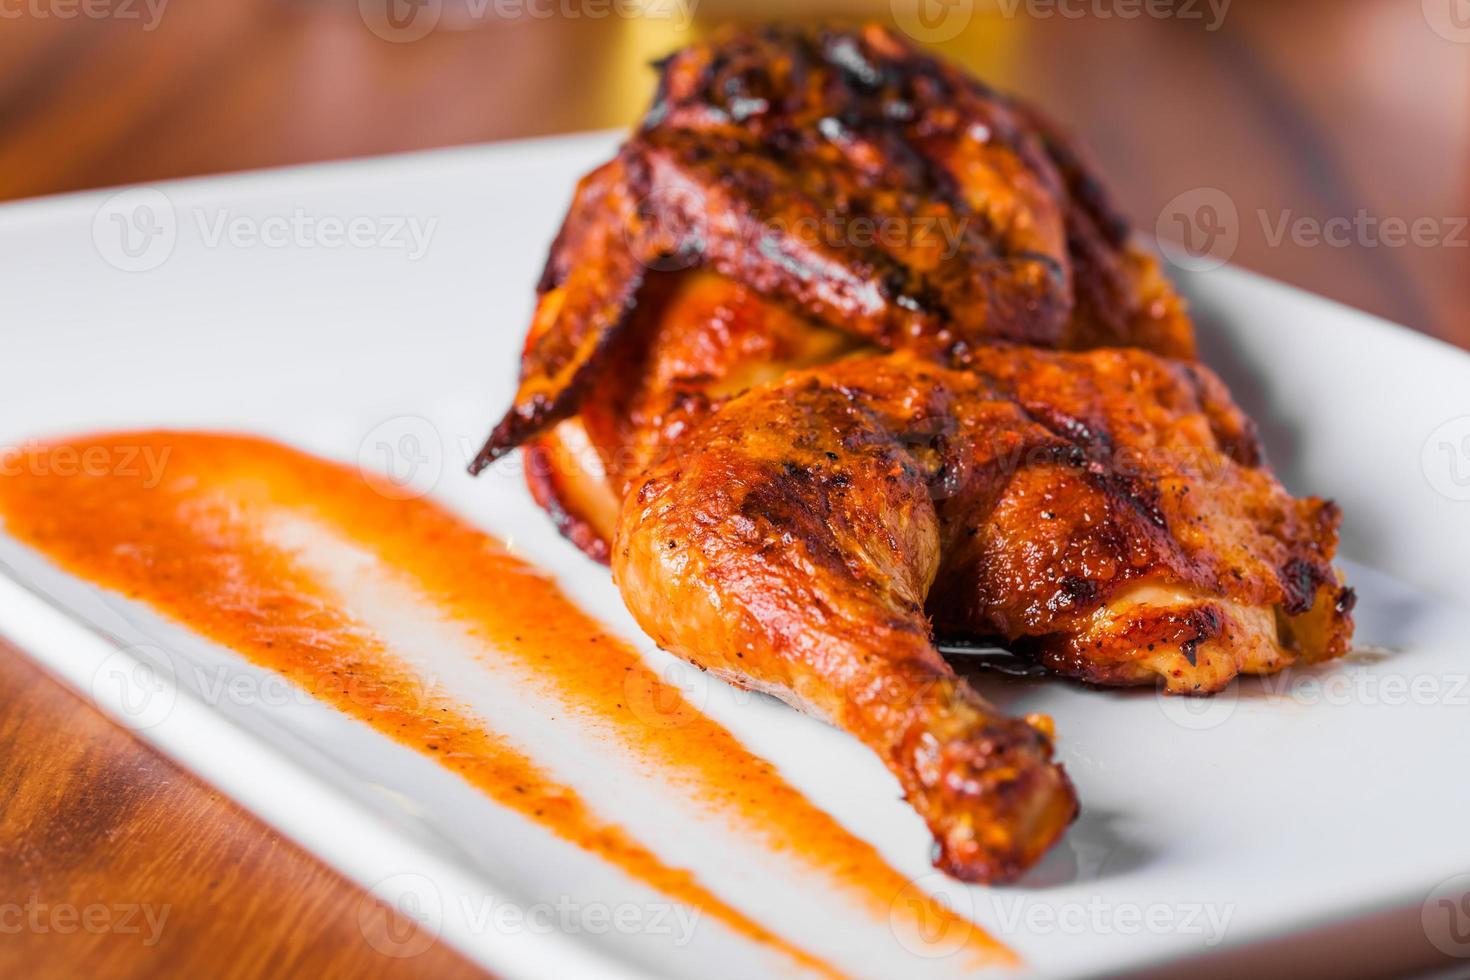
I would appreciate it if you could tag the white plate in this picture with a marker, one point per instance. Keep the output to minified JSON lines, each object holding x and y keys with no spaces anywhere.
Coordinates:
{"x":1207,"y":825}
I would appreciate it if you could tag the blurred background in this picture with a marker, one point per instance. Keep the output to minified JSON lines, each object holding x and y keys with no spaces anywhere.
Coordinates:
{"x":1322,"y":142}
{"x":1337,"y":130}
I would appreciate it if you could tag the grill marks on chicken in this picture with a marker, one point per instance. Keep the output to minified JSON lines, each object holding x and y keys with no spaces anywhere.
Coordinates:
{"x":844,"y":175}
{"x":1107,"y":510}
{"x":1156,"y":547}
{"x":790,"y":550}
{"x":792,"y":134}
{"x":799,"y":541}
{"x":786,"y":504}
{"x":694,"y":340}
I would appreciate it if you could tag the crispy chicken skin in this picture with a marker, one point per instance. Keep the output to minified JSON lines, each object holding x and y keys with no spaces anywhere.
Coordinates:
{"x":1104,"y":510}
{"x":1155,"y":547}
{"x":799,"y":541}
{"x":788,"y":545}
{"x":805,"y":455}
{"x":850,"y":178}
{"x":695,"y":340}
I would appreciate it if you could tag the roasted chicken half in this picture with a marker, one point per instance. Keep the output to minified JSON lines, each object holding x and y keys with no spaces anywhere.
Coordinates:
{"x":805,"y":456}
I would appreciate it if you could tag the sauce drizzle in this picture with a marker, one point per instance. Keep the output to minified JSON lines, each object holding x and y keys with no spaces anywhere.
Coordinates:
{"x":192,"y":546}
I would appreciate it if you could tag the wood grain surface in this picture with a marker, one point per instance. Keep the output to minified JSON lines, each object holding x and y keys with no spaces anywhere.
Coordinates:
{"x":1304,"y":114}
{"x":114,"y":863}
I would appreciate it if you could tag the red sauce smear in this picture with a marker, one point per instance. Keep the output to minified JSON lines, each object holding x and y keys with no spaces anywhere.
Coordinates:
{"x":185,"y":536}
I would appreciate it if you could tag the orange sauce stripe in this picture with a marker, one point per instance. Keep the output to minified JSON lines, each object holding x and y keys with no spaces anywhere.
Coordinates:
{"x":182,"y":540}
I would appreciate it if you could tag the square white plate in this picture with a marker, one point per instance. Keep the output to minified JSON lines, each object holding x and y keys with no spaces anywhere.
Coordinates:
{"x":232,"y":303}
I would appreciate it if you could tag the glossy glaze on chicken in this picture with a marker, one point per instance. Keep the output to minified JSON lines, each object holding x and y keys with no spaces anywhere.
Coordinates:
{"x":711,"y":403}
{"x":774,"y":157}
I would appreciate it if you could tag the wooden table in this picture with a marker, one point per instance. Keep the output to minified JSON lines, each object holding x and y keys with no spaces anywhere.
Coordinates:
{"x":1294,"y":109}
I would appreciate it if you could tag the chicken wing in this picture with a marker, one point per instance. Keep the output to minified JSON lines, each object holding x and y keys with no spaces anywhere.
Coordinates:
{"x":847,"y":177}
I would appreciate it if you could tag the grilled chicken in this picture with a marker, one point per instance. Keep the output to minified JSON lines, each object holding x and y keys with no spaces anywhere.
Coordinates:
{"x":805,"y":454}
{"x":873,"y":189}
{"x":1106,"y":508}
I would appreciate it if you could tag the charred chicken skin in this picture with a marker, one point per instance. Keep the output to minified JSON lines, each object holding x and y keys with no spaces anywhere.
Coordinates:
{"x":799,"y":541}
{"x":805,"y":455}
{"x":872,"y":188}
